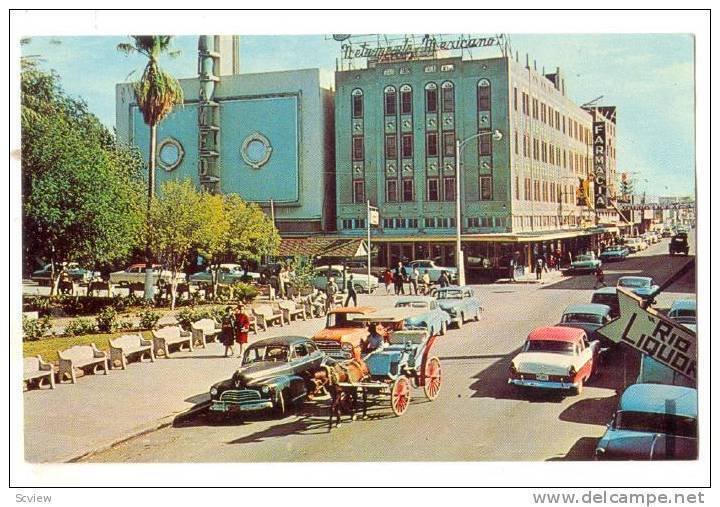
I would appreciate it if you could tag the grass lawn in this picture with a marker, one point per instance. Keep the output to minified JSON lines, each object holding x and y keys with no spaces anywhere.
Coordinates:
{"x":48,"y":347}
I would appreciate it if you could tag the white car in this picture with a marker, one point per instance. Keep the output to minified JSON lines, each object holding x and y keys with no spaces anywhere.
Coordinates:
{"x":361,"y":282}
{"x":635,"y":244}
{"x":432,"y":269}
{"x":135,"y":273}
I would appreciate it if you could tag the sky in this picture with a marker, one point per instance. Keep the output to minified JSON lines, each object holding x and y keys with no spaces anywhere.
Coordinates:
{"x":649,"y":77}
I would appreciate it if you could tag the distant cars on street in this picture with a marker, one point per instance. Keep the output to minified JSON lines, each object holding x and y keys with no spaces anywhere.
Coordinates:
{"x":635,"y":244}
{"x":77,"y":274}
{"x":589,"y":318}
{"x":679,"y":244}
{"x":361,"y":282}
{"x":614,"y":253}
{"x":227,"y":274}
{"x":432,"y":269}
{"x":459,"y":302}
{"x":432,"y":317}
{"x":585,"y":263}
{"x":643,"y":286}
{"x":135,"y":273}
{"x":684,"y":311}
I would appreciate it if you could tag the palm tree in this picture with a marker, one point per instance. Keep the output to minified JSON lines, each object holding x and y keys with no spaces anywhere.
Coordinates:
{"x":156,"y":92}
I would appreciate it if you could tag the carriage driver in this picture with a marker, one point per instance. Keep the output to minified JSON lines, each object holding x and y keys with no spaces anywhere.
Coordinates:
{"x":375,"y":339}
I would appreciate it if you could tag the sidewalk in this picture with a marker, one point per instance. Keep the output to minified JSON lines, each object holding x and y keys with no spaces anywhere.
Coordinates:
{"x":530,"y":277}
{"x":100,"y":410}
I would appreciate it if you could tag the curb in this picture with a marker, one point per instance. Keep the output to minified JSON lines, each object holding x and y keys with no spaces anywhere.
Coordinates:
{"x":156,"y":425}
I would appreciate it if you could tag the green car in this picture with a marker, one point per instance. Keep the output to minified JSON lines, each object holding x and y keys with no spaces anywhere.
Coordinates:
{"x":587,"y":263}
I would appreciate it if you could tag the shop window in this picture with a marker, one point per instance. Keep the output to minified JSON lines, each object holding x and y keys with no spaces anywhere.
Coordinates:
{"x":408,"y":190}
{"x":358,"y":191}
{"x":406,"y":99}
{"x":431,"y":98}
{"x":448,"y":97}
{"x":433,"y":190}
{"x":486,"y":188}
{"x":357,"y":103}
{"x":483,"y":95}
{"x":449,"y":188}
{"x":358,"y":148}
{"x":407,"y":145}
{"x":391,"y":147}
{"x":391,"y":187}
{"x":390,"y":101}
{"x":432,"y":144}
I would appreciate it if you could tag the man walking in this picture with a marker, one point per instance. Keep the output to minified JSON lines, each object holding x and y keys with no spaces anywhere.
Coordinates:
{"x":414,"y":278}
{"x":330,"y":290}
{"x":400,"y":275}
{"x":539,"y":264}
{"x":443,"y":280}
{"x":599,"y":278}
{"x":351,"y":294}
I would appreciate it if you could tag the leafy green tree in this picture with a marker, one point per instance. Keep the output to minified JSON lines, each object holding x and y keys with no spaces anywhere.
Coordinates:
{"x":82,"y":190}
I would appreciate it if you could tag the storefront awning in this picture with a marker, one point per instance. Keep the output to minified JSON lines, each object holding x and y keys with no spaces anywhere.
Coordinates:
{"x":322,"y":247}
{"x":517,"y":237}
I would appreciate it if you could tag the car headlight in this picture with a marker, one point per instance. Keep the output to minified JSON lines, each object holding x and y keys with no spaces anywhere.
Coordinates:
{"x":213,"y":391}
{"x":571,"y":371}
{"x":265,"y":389}
{"x":347,"y":347}
{"x":513,"y":369}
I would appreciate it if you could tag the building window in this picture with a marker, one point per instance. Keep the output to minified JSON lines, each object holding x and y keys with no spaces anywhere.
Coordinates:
{"x":535,"y":108}
{"x":517,"y":188}
{"x":483,"y":95}
{"x":449,"y":144}
{"x":388,"y":223}
{"x":448,"y":97}
{"x":485,"y":143}
{"x":391,"y":147}
{"x":526,"y":104}
{"x":473,"y":222}
{"x":432,"y":189}
{"x":449,"y":188}
{"x":515,"y":98}
{"x":526,"y":145}
{"x":431,"y":98}
{"x":543,"y":116}
{"x":536,"y":149}
{"x":431,"y":145}
{"x":358,"y":148}
{"x":407,"y":145}
{"x":405,"y":99}
{"x":486,"y":188}
{"x":412,"y":223}
{"x":357,"y":103}
{"x":358,"y":191}
{"x":390,"y":101}
{"x":430,"y":222}
{"x":408,"y":190}
{"x":517,"y":144}
{"x":550,"y":116}
{"x":485,"y":222}
{"x":347,"y":223}
{"x":391,"y":194}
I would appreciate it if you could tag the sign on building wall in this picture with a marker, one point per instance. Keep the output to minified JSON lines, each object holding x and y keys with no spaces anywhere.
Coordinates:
{"x":600,"y":164}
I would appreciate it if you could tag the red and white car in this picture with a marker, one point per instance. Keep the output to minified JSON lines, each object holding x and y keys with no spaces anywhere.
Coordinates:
{"x":555,"y":358}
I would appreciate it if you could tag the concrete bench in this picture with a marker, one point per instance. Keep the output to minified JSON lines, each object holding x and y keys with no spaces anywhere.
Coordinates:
{"x":98,"y":286}
{"x":81,"y":357}
{"x":291,"y":309}
{"x":129,"y":345}
{"x":203,"y":331}
{"x":171,"y":335}
{"x":35,"y":369}
{"x":266,"y":316}
{"x":266,"y":291}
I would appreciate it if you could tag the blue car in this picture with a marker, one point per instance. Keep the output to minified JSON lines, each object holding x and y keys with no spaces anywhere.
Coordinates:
{"x":459,"y":302}
{"x":433,"y":318}
{"x":643,"y":286}
{"x":614,"y":253}
{"x":652,"y":422}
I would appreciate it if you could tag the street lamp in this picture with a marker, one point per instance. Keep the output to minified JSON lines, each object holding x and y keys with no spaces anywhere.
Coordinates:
{"x":459,"y":145}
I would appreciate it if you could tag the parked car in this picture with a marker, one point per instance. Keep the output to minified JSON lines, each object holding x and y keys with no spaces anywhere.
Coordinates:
{"x":555,"y":358}
{"x":361,"y":282}
{"x":135,"y":273}
{"x":607,"y":296}
{"x":432,"y":317}
{"x":679,"y":244}
{"x":643,"y":286}
{"x":432,"y":269}
{"x":635,"y":244}
{"x":684,"y":311}
{"x":652,"y":422}
{"x":459,"y":302}
{"x":650,"y":238}
{"x":614,"y":253}
{"x":77,"y":274}
{"x":667,"y":232}
{"x":653,"y":371}
{"x":343,"y":335}
{"x":589,"y":318}
{"x":274,"y":374}
{"x":228,"y":274}
{"x":585,"y":263}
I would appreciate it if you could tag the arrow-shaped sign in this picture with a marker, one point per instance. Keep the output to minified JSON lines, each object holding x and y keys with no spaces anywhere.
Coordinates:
{"x":653,"y":334}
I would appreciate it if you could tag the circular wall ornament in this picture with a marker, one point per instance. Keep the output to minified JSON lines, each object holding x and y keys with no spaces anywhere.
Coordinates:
{"x":256,"y":150}
{"x":170,"y":153}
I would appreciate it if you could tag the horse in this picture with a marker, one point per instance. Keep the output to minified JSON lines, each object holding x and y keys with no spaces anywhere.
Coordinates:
{"x":343,"y":400}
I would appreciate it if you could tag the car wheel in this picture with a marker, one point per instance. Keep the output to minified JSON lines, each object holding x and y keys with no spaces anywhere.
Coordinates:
{"x":477,"y":315}
{"x":579,"y":388}
{"x":359,"y":289}
{"x":461,"y":320}
{"x":443,"y":328}
{"x":280,"y":404}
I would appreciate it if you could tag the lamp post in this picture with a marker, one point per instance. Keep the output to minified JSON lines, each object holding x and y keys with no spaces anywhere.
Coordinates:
{"x":459,"y":145}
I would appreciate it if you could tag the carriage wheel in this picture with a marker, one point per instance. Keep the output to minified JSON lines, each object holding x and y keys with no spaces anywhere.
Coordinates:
{"x":400,"y":395}
{"x":433,"y":379}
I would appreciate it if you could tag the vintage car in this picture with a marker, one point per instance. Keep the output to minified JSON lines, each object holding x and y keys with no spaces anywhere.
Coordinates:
{"x":684,"y":311}
{"x":643,"y":286}
{"x":635,"y":244}
{"x":431,"y":316}
{"x":652,"y":422}
{"x":679,"y":244}
{"x":228,"y":274}
{"x":653,"y":371}
{"x":76,"y":273}
{"x":585,"y":263}
{"x":459,"y":302}
{"x":361,"y":282}
{"x":614,"y":253}
{"x":588,"y":317}
{"x":607,"y":296}
{"x":343,"y":335}
{"x":432,"y":269}
{"x":135,"y":273}
{"x":555,"y":358}
{"x":274,"y":374}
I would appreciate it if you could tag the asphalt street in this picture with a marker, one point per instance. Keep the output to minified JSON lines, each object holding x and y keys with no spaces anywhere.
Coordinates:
{"x":477,"y":415}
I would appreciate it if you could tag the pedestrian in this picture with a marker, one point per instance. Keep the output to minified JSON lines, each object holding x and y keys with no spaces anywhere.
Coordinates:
{"x":551,"y":262}
{"x":227,"y":331}
{"x":414,"y":278}
{"x":538,"y":268}
{"x":351,"y":293}
{"x":599,"y":277}
{"x":242,"y":326}
{"x":330,"y":290}
{"x":388,"y":279}
{"x":399,"y":277}
{"x":283,"y":280}
{"x":513,"y":265}
{"x":426,"y":283}
{"x":443,"y":279}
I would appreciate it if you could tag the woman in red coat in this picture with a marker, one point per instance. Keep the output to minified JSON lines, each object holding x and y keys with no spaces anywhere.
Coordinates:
{"x":242,"y":326}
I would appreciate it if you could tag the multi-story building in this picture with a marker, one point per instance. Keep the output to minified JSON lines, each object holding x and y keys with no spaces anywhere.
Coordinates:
{"x":397,"y":124}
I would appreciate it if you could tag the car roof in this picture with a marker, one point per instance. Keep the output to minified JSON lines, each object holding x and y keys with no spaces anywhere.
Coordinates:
{"x":592,"y":308}
{"x":606,"y":290}
{"x":281,"y":340}
{"x":683,"y":304}
{"x":415,"y":299}
{"x":556,"y":333}
{"x":645,"y":278}
{"x":454,"y":287}
{"x":391,"y":315}
{"x":653,"y":398}
{"x":354,"y":309}
{"x":142,"y":265}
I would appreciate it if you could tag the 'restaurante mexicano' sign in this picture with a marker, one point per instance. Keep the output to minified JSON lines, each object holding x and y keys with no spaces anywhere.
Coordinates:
{"x":411,"y":51}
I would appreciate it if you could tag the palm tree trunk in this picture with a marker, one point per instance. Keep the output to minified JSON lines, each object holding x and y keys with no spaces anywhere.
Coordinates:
{"x":151,"y":193}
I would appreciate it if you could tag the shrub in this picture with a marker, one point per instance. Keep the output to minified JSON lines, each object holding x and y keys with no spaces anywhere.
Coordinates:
{"x":148,"y":319}
{"x":185,"y":317}
{"x":107,"y":320}
{"x":302,"y":276}
{"x":34,"y":329}
{"x":78,"y":327}
{"x":244,"y":292}
{"x":126,"y":325}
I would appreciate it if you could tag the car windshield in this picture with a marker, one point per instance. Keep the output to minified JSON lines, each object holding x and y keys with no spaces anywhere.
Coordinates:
{"x":605,"y":299}
{"x":450,"y":294}
{"x":668,"y":424}
{"x":411,"y":304}
{"x":633,"y":282}
{"x":278,"y":353}
{"x":590,"y":318}
{"x":582,"y":258}
{"x":554,"y":346}
{"x":343,"y":320}
{"x":614,"y":249}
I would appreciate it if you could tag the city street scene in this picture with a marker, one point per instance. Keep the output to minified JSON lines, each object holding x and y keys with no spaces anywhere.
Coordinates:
{"x":389,"y":247}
